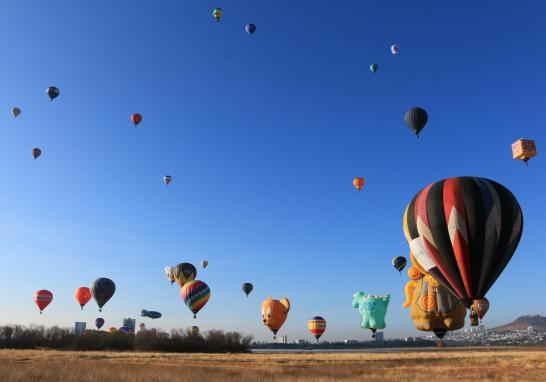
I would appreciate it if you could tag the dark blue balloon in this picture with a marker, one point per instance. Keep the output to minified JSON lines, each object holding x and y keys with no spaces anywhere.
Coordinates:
{"x":150,"y":313}
{"x":125,"y":329}
{"x":250,"y":28}
{"x":103,"y":289}
{"x":99,"y":322}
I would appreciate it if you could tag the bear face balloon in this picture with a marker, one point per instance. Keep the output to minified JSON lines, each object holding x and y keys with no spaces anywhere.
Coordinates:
{"x":274,"y":313}
{"x":373,"y":310}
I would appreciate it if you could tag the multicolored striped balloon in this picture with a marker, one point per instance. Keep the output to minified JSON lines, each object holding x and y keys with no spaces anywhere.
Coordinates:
{"x":317,"y":326}
{"x":195,"y":295}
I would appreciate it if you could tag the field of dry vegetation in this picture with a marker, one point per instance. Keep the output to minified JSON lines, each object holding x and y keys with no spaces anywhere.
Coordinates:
{"x":435,"y":365}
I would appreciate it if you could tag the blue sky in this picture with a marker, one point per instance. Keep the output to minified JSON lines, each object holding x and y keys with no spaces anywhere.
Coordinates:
{"x":263,"y":136}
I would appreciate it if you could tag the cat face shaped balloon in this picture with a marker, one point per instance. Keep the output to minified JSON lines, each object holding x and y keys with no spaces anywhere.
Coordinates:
{"x":274,"y":313}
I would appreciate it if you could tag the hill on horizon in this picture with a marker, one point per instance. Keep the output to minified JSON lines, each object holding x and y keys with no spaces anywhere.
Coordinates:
{"x":537,"y":321}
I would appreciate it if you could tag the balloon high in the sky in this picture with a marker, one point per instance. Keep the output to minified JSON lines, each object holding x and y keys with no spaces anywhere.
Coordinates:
{"x":204,"y":264}
{"x":184,"y":272}
{"x":373,"y":310}
{"x":36,"y":152}
{"x":43,"y":298}
{"x":250,"y":29}
{"x":99,"y":322}
{"x":394,"y":49}
{"x":52,"y":92}
{"x":463,"y":231}
{"x":169,"y":271}
{"x":524,"y":149}
{"x":358,"y":183}
{"x":274,"y":313}
{"x":481,"y":307}
{"x":16,"y":112}
{"x":247,"y":288}
{"x":374,"y":68}
{"x":83,"y":295}
{"x":150,"y":314}
{"x":217,"y":14}
{"x":195,"y":294}
{"x":399,"y":262}
{"x":136,"y":118}
{"x":167,"y":179}
{"x":103,"y":289}
{"x":317,"y":326}
{"x":416,"y":118}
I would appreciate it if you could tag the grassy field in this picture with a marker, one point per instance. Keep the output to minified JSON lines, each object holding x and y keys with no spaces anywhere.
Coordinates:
{"x":436,"y":365}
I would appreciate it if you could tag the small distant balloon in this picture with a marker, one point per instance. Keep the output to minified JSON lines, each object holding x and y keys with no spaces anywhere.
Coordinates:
{"x":317,"y":326}
{"x":374,"y":68}
{"x":99,"y":322}
{"x":52,"y":92}
{"x":416,"y":118}
{"x":358,"y":183}
{"x":16,"y":112}
{"x":250,"y":29}
{"x":170,"y":274}
{"x":36,"y":152}
{"x":136,"y":118}
{"x":43,"y":298}
{"x":399,"y":262}
{"x":83,"y":295}
{"x":394,"y":49}
{"x":150,"y":314}
{"x":217,"y":14}
{"x":167,"y":179}
{"x":247,"y":288}
{"x":204,"y":263}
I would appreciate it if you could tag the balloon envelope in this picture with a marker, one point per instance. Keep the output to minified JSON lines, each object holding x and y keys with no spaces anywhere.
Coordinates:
{"x":43,"y":298}
{"x":394,"y":49}
{"x":83,"y":295}
{"x":99,"y":322}
{"x":416,"y":118}
{"x":463,"y":231}
{"x":16,"y":112}
{"x":247,"y":288}
{"x":374,"y":67}
{"x":167,"y":179}
{"x":136,"y":118}
{"x":195,"y":295}
{"x":103,"y":289}
{"x":250,"y":28}
{"x":373,"y":310}
{"x":358,"y":183}
{"x":399,"y":263}
{"x":274,"y":313}
{"x":36,"y":152}
{"x":52,"y":92}
{"x":217,"y":13}
{"x":317,"y":326}
{"x":184,"y":272}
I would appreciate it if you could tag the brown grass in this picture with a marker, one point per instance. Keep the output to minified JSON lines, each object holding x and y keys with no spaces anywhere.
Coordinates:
{"x":440,"y":365}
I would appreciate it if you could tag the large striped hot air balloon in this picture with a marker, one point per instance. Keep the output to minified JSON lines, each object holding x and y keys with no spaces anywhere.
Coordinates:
{"x":195,"y":294}
{"x":358,"y":183}
{"x":317,"y":326}
{"x":463,"y":231}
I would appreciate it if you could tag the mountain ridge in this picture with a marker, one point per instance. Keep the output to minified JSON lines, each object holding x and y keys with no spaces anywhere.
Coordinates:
{"x":537,"y":321}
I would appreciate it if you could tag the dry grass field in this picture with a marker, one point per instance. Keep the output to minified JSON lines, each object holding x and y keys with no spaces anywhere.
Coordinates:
{"x":436,"y":365}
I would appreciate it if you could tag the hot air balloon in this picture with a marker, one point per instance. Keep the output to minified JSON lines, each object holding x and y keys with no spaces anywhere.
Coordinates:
{"x":481,"y":307}
{"x":112,"y":330}
{"x":83,"y":295}
{"x":36,"y":152}
{"x":358,"y":183}
{"x":102,"y":289}
{"x":463,"y":231}
{"x":99,"y":322}
{"x":433,"y":308}
{"x":126,"y":330}
{"x":317,"y":326}
{"x":274,"y":313}
{"x":217,"y":14}
{"x":416,"y":118}
{"x":374,"y":67}
{"x":169,"y":271}
{"x":399,"y":262}
{"x":194,"y":330}
{"x":204,"y":263}
{"x":195,"y":294}
{"x":52,"y":92}
{"x":394,"y":49}
{"x":373,"y":310}
{"x":250,"y":29}
{"x":247,"y":288}
{"x":524,"y":149}
{"x":16,"y":112}
{"x":136,"y":118}
{"x":167,"y":179}
{"x":150,"y":314}
{"x":184,"y":272}
{"x":43,"y":298}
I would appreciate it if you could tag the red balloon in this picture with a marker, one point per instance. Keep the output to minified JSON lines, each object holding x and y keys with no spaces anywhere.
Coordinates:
{"x":136,"y":118}
{"x":42,"y":298}
{"x":83,"y":295}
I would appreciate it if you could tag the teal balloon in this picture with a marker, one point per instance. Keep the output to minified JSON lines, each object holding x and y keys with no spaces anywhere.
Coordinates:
{"x":373,"y":310}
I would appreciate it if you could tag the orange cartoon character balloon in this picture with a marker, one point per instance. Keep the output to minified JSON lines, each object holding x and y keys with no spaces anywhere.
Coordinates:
{"x":274,"y":313}
{"x":433,"y":307}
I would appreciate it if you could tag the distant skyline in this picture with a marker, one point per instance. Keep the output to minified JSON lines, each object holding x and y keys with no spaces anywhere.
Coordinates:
{"x":263,"y":136}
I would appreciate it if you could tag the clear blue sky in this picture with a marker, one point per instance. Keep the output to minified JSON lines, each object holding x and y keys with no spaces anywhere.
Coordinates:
{"x":263,"y":136}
